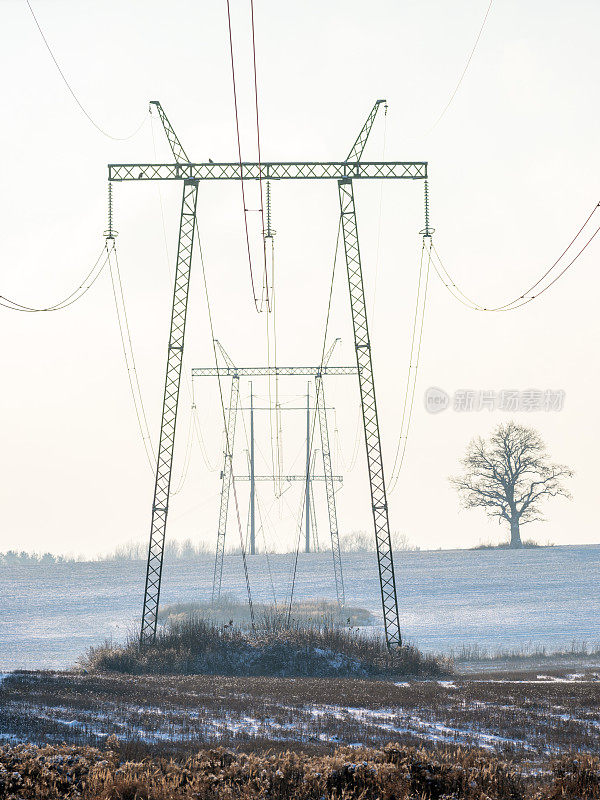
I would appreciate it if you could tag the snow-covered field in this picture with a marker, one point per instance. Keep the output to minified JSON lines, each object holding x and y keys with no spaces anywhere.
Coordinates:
{"x":493,"y":599}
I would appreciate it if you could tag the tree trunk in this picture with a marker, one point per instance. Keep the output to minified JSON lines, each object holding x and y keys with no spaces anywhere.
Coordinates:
{"x":515,"y":533}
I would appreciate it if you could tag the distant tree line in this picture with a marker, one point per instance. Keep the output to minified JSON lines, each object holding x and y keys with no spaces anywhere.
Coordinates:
{"x":189,"y":551}
{"x":174,"y":551}
{"x":130,"y":551}
{"x":364,"y":542}
{"x":14,"y":557}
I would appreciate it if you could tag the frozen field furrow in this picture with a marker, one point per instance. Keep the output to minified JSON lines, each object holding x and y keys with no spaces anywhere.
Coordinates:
{"x":526,"y":718}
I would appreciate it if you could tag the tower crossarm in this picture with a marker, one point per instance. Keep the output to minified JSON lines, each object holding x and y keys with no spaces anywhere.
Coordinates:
{"x":273,"y":170}
{"x":199,"y":372}
{"x":291,"y":478}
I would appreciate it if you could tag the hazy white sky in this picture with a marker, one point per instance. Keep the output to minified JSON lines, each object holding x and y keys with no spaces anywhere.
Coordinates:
{"x":513,"y":172}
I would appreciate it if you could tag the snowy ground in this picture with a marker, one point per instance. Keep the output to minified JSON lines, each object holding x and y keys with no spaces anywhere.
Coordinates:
{"x":526,"y":714}
{"x":488,"y":599}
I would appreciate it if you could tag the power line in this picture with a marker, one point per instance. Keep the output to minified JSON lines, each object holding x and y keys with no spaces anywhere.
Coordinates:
{"x":464,"y":72}
{"x":131,"y":349}
{"x":262,"y":209}
{"x":188,"y":455}
{"x":376,"y":271}
{"x":198,"y":432}
{"x":262,"y":529}
{"x":413,"y":368}
{"x":526,"y":296}
{"x":70,"y":88}
{"x":239,"y":146}
{"x":459,"y":295}
{"x":129,"y":358}
{"x":81,"y":290}
{"x":276,"y":454}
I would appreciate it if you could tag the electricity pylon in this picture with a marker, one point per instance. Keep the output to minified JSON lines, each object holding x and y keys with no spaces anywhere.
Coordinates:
{"x":231,"y":370}
{"x":162,"y":484}
{"x":366,"y":380}
{"x":345,"y":173}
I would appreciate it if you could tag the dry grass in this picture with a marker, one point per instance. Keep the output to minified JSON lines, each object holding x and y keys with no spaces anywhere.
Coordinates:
{"x":400,"y":773}
{"x":196,"y":646}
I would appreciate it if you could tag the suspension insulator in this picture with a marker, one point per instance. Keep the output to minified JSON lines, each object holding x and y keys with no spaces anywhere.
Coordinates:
{"x":427,"y":230}
{"x":268,"y":232}
{"x":110,"y":232}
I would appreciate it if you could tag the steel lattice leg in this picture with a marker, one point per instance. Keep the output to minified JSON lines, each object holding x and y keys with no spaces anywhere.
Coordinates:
{"x":369,"y":410}
{"x":225,"y":487}
{"x":160,"y":505}
{"x":331,"y":509}
{"x":313,"y":521}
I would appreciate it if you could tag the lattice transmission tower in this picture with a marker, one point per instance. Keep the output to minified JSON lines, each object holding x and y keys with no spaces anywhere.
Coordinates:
{"x":345,"y":173}
{"x":231,"y":370}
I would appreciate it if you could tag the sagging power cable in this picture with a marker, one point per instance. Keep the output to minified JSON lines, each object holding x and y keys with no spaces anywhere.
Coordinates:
{"x":82,"y":289}
{"x":464,"y":72}
{"x":379,"y":218}
{"x":72,"y":93}
{"x":198,"y":431}
{"x":188,"y":455}
{"x":265,"y":297}
{"x":128,"y":354}
{"x":271,"y":322}
{"x":413,"y":364}
{"x":268,"y":560}
{"x":525,"y":297}
{"x":239,"y":146}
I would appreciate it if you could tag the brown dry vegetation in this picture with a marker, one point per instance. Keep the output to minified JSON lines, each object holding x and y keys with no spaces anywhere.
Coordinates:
{"x":391,"y":772}
{"x":515,"y":715}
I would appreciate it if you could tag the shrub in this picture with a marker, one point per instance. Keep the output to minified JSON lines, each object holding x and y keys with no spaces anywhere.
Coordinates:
{"x":397,"y":772}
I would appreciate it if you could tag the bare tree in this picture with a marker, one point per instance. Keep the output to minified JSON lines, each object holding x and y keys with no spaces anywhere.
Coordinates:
{"x":510,"y":476}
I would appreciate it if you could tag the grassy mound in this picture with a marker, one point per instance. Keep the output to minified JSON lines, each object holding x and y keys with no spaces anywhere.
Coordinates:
{"x":196,"y":646}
